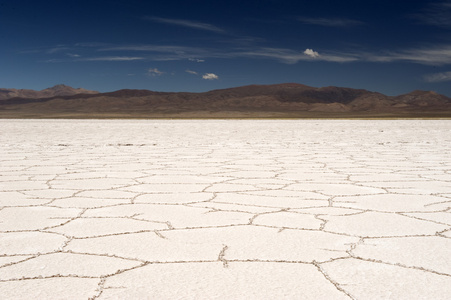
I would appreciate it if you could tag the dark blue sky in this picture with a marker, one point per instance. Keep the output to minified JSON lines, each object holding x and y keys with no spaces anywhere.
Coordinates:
{"x":392,"y":47}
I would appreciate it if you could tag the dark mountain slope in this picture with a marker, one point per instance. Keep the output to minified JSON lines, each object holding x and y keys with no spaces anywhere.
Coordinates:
{"x":289,"y":100}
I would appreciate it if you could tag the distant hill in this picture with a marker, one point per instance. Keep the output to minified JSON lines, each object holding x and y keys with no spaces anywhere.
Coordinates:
{"x":259,"y":101}
{"x":57,"y":90}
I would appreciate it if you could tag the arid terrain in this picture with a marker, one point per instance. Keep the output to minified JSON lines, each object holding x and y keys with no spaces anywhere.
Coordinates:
{"x":225,"y":209}
{"x":289,"y":100}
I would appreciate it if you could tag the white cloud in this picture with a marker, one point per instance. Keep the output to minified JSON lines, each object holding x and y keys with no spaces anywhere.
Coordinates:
{"x":210,"y":76}
{"x":334,"y":22}
{"x":191,"y":72}
{"x":187,"y":23}
{"x":438,"y":77}
{"x":311,"y":53}
{"x":154,"y":72}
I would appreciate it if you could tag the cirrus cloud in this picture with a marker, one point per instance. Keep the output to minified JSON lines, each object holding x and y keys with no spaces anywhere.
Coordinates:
{"x":196,"y":60}
{"x":436,"y":14}
{"x":333,"y":22}
{"x":187,"y":23}
{"x":154,"y":72}
{"x":438,"y":77}
{"x":426,"y":54}
{"x":191,"y":72}
{"x":111,"y":58}
{"x":433,"y":55}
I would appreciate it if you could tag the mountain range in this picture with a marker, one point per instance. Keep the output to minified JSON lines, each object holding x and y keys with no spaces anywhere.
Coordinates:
{"x":57,"y":90}
{"x":290,"y":100}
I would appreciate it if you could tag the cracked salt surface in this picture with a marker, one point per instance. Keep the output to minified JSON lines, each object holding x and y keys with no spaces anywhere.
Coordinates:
{"x":309,"y":209}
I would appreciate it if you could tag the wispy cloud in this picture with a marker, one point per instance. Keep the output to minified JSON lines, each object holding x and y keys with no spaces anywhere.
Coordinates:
{"x":164,"y":52}
{"x":86,"y":59}
{"x":175,"y":53}
{"x":330,"y":22}
{"x":427,"y":54}
{"x":196,"y":60}
{"x":149,"y":48}
{"x":290,"y":56}
{"x":210,"y":76}
{"x":438,"y":77}
{"x":91,"y":45}
{"x":56,"y":49}
{"x":191,"y":72}
{"x":111,"y":58}
{"x":436,"y":14}
{"x":73,"y":55}
{"x":433,"y":55}
{"x":154,"y":72}
{"x":187,"y":23}
{"x":53,"y":60}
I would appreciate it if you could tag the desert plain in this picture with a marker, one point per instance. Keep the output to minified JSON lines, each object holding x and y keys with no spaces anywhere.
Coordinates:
{"x":225,"y":209}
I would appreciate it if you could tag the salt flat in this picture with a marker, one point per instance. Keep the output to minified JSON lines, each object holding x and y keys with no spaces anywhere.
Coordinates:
{"x":225,"y":209}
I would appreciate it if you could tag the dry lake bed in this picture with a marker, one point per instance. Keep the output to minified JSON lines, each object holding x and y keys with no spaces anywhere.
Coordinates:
{"x":225,"y":209}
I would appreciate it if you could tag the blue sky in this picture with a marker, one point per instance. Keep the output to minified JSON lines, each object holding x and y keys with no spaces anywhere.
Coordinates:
{"x":392,"y":47}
